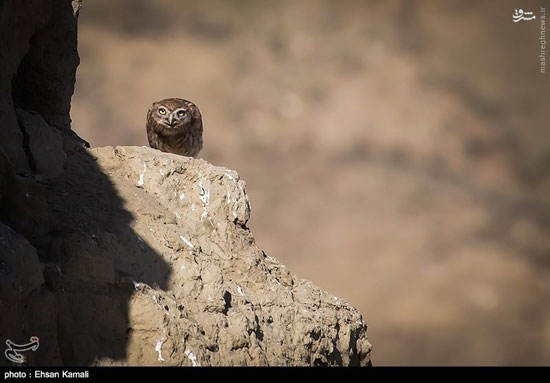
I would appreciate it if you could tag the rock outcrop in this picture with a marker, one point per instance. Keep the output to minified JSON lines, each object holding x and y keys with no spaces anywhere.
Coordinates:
{"x":128,"y":255}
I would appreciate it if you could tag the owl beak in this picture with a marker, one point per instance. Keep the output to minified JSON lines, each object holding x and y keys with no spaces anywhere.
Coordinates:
{"x":170,"y":119}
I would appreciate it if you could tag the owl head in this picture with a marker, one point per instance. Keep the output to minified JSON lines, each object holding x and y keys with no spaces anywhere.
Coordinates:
{"x":173,"y":115}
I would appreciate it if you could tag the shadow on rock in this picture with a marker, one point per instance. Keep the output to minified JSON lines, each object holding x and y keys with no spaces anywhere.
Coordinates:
{"x":89,"y":262}
{"x":100,"y":258}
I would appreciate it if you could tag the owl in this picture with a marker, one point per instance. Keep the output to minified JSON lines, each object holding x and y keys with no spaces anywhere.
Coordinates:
{"x":174,"y":125}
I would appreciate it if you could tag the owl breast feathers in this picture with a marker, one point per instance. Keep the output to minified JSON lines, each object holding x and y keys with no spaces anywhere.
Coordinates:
{"x":174,"y":125}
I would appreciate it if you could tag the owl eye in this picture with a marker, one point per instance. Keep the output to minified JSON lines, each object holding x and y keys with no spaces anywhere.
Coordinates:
{"x":162,"y":111}
{"x":181,"y":113}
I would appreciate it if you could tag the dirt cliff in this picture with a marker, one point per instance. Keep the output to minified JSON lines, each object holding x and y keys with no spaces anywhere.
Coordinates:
{"x":128,"y":255}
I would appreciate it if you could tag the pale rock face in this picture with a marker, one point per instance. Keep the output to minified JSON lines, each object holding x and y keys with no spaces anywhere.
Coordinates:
{"x":226,"y":302}
{"x":134,"y":274}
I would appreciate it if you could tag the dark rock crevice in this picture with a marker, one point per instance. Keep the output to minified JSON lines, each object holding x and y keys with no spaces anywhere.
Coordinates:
{"x":26,"y":146}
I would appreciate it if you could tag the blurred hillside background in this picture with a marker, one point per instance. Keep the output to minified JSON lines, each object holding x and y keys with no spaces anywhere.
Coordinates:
{"x":396,"y":153}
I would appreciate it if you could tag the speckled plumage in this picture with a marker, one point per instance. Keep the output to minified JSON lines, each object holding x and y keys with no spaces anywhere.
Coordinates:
{"x":174,"y":125}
